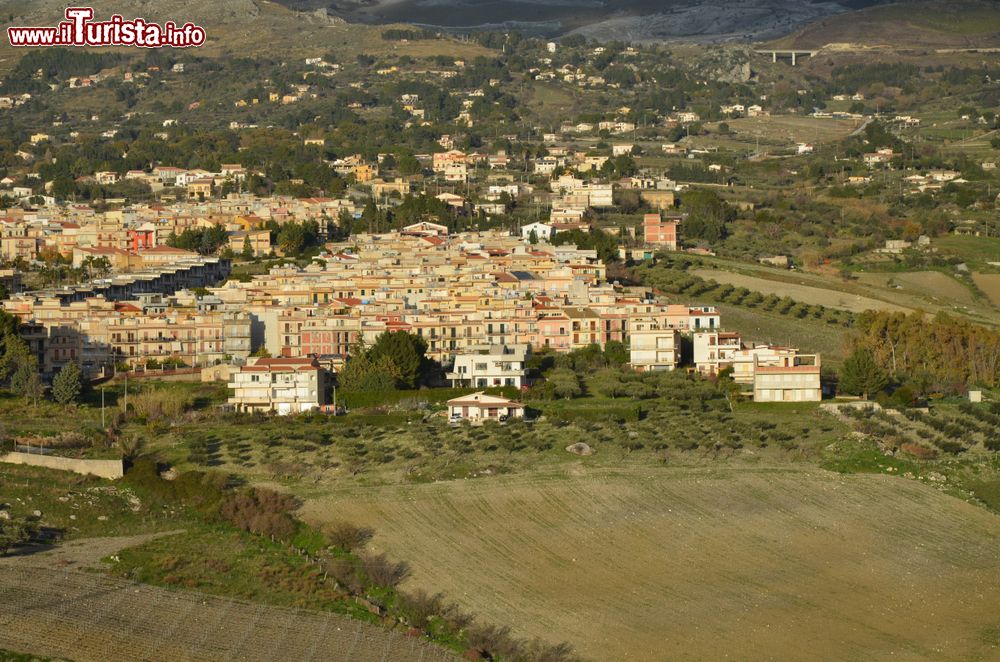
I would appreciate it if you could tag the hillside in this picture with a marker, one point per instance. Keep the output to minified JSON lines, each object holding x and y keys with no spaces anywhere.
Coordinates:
{"x":242,"y":28}
{"x":920,"y":24}
{"x":697,"y":563}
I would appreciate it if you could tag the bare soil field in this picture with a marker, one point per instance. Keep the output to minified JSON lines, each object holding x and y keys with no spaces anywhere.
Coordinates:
{"x":804,"y":293}
{"x":702,"y":564}
{"x":90,"y":617}
{"x":792,"y":130}
{"x":990,"y":285}
{"x":933,"y":285}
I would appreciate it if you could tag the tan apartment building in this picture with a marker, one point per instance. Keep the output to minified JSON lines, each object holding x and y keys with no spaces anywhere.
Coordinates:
{"x":796,"y":379}
{"x":653,"y":345}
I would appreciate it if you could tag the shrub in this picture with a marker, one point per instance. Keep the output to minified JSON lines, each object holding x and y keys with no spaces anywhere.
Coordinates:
{"x":154,"y":405}
{"x":347,"y":536}
{"x":383,"y":572}
{"x":261,"y":511}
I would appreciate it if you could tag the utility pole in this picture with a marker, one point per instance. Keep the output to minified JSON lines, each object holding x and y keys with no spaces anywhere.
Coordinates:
{"x":102,"y":407}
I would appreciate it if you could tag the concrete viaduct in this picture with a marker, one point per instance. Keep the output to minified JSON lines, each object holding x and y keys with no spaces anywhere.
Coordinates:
{"x":775,"y":54}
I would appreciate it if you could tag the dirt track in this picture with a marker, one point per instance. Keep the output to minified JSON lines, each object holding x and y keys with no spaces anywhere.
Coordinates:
{"x":91,"y":617}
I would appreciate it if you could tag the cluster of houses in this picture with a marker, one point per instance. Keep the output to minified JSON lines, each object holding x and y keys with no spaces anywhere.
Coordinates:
{"x":134,"y":236}
{"x":482,"y":301}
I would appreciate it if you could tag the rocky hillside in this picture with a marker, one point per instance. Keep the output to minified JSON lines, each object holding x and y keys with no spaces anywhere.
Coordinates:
{"x":917,"y":24}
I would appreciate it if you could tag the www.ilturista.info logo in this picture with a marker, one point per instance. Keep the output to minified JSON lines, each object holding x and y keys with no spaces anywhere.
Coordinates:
{"x":79,"y":30}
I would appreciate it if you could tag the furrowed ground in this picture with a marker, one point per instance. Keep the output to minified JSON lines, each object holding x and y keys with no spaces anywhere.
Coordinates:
{"x":703,"y":563}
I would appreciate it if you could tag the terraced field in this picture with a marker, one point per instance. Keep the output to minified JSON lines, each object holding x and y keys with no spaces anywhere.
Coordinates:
{"x":703,"y":563}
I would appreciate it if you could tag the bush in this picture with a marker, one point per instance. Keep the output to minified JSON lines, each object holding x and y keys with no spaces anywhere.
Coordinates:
{"x":382,"y":572}
{"x":347,"y":536}
{"x":159,"y":404}
{"x":261,"y":511}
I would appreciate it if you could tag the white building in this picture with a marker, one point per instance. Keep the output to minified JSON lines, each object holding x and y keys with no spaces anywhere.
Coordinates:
{"x":715,"y":350}
{"x":543,"y":231}
{"x":482,"y":407}
{"x":495,"y":365}
{"x":278,"y":386}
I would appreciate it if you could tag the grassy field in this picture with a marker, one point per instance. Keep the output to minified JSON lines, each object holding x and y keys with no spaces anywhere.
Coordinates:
{"x":878,"y":287}
{"x":937,"y":286}
{"x":808,"y":335}
{"x":661,"y":563}
{"x":976,"y":251}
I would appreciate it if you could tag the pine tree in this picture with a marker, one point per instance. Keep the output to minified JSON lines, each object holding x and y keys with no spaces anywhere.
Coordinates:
{"x":68,"y":384}
{"x":247,"y":249}
{"x":862,"y":375}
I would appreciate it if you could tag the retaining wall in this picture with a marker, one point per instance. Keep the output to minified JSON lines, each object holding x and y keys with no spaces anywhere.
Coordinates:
{"x":101,"y":468}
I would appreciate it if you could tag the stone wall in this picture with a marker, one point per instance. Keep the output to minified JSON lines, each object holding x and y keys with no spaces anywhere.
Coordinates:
{"x":101,"y":468}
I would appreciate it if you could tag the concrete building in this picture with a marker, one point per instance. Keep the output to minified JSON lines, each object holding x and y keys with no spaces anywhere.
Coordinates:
{"x":715,"y":350}
{"x":796,"y":379}
{"x":659,"y":232}
{"x":653,"y":345}
{"x":279,"y":386}
{"x":492,"y":365}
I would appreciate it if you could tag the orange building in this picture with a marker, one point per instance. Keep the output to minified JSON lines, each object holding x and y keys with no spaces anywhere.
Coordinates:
{"x":660,"y":232}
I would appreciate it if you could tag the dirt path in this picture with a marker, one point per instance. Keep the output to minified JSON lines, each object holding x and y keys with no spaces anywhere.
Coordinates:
{"x":82,"y":553}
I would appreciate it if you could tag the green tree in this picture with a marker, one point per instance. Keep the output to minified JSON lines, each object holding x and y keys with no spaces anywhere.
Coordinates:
{"x":247,"y":253}
{"x":406,"y":351}
{"x":13,"y":353}
{"x":67,"y":386}
{"x":361,"y":373}
{"x":27,"y":383}
{"x":608,"y":382}
{"x":565,"y":383}
{"x":862,"y":375}
{"x":615,"y":353}
{"x":292,"y":239}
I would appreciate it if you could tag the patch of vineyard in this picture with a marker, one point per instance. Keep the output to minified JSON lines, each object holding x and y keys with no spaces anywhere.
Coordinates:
{"x":89,"y":617}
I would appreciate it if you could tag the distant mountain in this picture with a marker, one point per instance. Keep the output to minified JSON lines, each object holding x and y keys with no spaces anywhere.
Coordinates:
{"x":633,"y":20}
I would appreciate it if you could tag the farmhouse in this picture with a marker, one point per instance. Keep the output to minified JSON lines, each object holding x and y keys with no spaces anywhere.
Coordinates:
{"x":482,"y":407}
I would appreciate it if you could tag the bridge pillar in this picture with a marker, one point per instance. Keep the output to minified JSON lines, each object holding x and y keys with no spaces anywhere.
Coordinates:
{"x":793,"y":58}
{"x":774,"y":56}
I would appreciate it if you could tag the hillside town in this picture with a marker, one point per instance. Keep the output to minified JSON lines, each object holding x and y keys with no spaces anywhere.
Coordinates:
{"x":463,"y":293}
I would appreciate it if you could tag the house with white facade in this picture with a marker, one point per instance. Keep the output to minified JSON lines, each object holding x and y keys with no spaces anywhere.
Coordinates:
{"x":493,"y":365}
{"x":481,"y":407}
{"x":279,"y":386}
{"x":543,"y":231}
